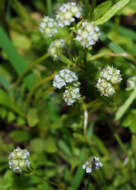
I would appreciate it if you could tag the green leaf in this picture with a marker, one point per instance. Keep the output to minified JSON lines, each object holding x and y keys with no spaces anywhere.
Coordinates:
{"x":4,"y":81}
{"x":110,"y":44}
{"x":64,"y":147}
{"x":76,"y":181}
{"x":11,"y":116}
{"x":112,"y":11}
{"x":3,"y":113}
{"x":130,"y":120}
{"x":17,"y":61}
{"x":21,"y":11}
{"x":50,"y":145}
{"x":20,"y":40}
{"x":101,"y":9}
{"x":20,"y":135}
{"x":133,"y":143}
{"x":6,"y":101}
{"x":100,"y":145}
{"x":122,"y":109}
{"x":20,"y":121}
{"x":122,"y":30}
{"x":32,"y":117}
{"x":37,"y":145}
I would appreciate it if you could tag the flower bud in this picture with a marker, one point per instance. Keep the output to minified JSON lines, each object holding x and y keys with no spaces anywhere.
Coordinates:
{"x":56,"y":47}
{"x":105,"y":87}
{"x":19,"y":160}
{"x":71,"y":94}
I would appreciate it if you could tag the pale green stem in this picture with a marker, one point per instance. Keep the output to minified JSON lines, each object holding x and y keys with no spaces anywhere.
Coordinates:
{"x":118,"y":139}
{"x":111,"y":54}
{"x":37,"y":85}
{"x":120,"y":143}
{"x":49,"y":7}
{"x":38,"y":61}
{"x":66,"y":60}
{"x":42,"y":94}
{"x":92,"y":8}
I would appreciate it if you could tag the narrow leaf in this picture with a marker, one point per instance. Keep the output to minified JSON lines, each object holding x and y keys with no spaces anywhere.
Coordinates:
{"x":4,"y":81}
{"x":76,"y":181}
{"x":112,"y":11}
{"x":101,"y":9}
{"x":17,"y":61}
{"x":6,"y":101}
{"x":121,"y":111}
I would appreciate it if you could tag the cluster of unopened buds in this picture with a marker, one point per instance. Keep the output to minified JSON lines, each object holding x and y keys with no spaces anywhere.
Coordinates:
{"x":19,"y":160}
{"x":68,"y":79}
{"x":92,"y":165}
{"x":56,"y":47}
{"x":108,"y":78}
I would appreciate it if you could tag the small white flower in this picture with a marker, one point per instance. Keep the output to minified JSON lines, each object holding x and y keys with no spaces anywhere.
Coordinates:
{"x":71,"y":95}
{"x":105,"y":87}
{"x":55,"y":47}
{"x":67,"y":13}
{"x":109,"y":77}
{"x":19,"y":160}
{"x":48,"y":26}
{"x":111,"y":74}
{"x":92,"y":165}
{"x":63,"y":77}
{"x":88,"y":34}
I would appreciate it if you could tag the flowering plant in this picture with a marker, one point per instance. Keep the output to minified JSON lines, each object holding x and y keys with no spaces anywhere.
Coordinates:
{"x":67,"y":96}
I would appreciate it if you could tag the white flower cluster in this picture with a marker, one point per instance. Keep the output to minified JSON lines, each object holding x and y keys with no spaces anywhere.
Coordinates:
{"x":66,"y":77}
{"x":48,"y":26}
{"x":55,"y":47}
{"x":109,"y":77}
{"x":67,"y":13}
{"x":88,"y":34}
{"x":19,"y":160}
{"x":71,"y":94}
{"x":92,"y":165}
